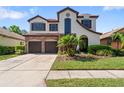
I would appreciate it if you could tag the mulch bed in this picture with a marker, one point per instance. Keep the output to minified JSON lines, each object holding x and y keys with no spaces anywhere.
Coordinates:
{"x":63,"y":58}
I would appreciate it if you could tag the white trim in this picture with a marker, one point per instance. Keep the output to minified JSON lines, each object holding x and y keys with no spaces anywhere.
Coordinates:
{"x":35,"y":40}
{"x":50,"y":40}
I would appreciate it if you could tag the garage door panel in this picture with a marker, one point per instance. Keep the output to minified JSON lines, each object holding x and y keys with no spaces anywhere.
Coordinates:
{"x":34,"y":47}
{"x":51,"y":47}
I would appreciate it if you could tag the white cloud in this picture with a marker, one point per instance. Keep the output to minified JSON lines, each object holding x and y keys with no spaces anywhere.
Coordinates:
{"x":11,"y":14}
{"x":113,"y":7}
{"x":34,"y":10}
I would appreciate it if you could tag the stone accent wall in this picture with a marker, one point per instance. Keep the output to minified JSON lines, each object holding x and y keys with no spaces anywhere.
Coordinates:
{"x":42,"y":39}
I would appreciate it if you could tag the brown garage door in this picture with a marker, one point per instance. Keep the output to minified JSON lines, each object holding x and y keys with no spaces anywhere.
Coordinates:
{"x":34,"y":47}
{"x":51,"y":47}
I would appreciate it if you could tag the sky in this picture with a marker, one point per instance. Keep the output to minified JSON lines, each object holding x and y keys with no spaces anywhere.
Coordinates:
{"x":110,"y":17}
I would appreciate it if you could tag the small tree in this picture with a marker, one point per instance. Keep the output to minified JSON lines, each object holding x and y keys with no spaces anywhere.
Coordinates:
{"x":119,"y":38}
{"x":122,"y":41}
{"x":67,"y":44}
{"x":15,"y":29}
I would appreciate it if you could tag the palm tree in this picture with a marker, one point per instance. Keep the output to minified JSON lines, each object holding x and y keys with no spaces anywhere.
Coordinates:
{"x":119,"y":38}
{"x":67,"y":44}
{"x":122,"y":41}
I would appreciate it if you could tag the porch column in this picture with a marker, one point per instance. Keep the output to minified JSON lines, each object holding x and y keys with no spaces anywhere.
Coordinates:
{"x":43,"y":46}
{"x":26,"y":47}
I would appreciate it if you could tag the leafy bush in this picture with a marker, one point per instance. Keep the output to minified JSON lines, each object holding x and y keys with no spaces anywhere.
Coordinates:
{"x":118,"y":52}
{"x":71,"y":51}
{"x":7,"y":50}
{"x":20,"y":49}
{"x":121,"y":53}
{"x":92,"y":49}
{"x":104,"y":52}
{"x":67,"y":44}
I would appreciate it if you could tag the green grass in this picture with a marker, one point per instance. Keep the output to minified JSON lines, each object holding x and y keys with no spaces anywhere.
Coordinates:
{"x":86,"y":83}
{"x":106,"y":63}
{"x":4,"y":57}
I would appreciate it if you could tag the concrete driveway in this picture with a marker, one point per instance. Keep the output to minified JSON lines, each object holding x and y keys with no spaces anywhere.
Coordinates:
{"x":25,"y":71}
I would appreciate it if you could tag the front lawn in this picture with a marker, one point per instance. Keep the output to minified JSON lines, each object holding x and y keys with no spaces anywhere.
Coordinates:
{"x":103,"y":63}
{"x":86,"y":83}
{"x":4,"y":57}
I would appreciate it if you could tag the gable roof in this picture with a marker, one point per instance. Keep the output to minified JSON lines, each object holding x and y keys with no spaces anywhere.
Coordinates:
{"x":108,"y":34}
{"x":49,"y":20}
{"x":7,"y":33}
{"x":88,"y":28}
{"x":68,"y":8}
{"x":36,"y":17}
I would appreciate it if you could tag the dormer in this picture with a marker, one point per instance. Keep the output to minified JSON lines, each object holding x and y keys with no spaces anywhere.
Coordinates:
{"x":67,"y":13}
{"x":88,"y":21}
{"x":38,"y":24}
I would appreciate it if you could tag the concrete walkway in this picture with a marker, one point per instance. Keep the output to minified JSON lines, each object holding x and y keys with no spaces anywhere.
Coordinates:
{"x":26,"y":70}
{"x":68,"y":74}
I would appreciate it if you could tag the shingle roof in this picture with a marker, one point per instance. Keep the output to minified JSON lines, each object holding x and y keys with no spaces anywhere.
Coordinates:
{"x":90,"y":15}
{"x":42,"y":34}
{"x":36,"y":17}
{"x":52,"y":20}
{"x":88,"y":28}
{"x":9,"y":34}
{"x":108,"y":34}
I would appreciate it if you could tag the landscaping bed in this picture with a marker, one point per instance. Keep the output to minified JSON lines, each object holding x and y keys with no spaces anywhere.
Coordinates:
{"x":99,"y":82}
{"x":89,"y":62}
{"x":4,"y":57}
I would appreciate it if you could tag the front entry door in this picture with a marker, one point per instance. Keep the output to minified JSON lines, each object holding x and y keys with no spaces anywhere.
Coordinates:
{"x":67,"y":26}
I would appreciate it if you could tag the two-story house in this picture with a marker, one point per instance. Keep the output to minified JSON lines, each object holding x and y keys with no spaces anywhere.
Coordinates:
{"x":44,"y":33}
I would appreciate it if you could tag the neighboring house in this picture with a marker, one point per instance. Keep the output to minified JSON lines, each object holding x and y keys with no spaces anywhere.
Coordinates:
{"x":8,"y":38}
{"x":44,"y":33}
{"x":106,"y":39}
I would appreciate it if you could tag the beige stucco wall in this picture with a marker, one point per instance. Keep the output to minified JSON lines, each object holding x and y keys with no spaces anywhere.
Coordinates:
{"x":5,"y":41}
{"x":38,"y":19}
{"x":93,"y":38}
{"x":93,"y":20}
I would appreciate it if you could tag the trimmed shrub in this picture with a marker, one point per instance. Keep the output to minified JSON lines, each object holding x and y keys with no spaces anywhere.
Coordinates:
{"x":121,"y":53}
{"x":92,"y":49}
{"x":20,"y":49}
{"x":118,"y":52}
{"x":104,"y":52}
{"x":7,"y":50}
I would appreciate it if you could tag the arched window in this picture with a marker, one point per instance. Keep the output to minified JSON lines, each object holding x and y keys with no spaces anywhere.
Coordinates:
{"x":67,"y":26}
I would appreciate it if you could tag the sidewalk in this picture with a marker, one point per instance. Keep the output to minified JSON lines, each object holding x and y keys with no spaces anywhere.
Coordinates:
{"x":68,"y":74}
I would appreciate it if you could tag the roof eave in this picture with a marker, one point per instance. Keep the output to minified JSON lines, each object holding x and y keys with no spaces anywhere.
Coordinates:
{"x":88,"y":29}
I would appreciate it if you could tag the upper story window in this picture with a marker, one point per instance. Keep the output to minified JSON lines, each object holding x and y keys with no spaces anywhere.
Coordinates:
{"x":53,"y":27}
{"x":87,"y":23}
{"x":38,"y":26}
